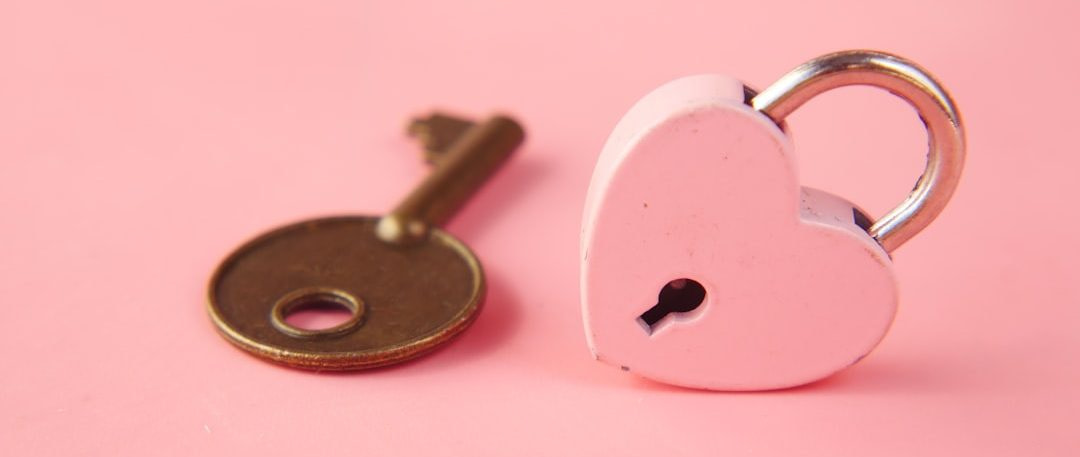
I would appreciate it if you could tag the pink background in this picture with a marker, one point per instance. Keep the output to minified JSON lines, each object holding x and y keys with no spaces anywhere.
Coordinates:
{"x":141,"y":141}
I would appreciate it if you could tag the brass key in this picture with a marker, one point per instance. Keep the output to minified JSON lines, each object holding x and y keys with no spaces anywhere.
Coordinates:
{"x":409,"y":285}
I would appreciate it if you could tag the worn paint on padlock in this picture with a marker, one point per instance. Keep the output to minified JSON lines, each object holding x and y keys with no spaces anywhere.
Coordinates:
{"x":695,"y":184}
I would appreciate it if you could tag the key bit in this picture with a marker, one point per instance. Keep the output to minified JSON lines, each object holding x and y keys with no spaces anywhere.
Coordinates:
{"x":437,"y":133}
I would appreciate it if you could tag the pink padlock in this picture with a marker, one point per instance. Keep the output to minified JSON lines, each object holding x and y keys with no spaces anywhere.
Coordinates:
{"x":705,"y":264}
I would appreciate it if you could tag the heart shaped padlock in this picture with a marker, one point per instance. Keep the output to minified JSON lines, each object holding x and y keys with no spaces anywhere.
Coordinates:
{"x":705,"y":264}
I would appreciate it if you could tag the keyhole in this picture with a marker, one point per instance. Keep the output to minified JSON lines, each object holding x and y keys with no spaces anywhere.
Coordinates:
{"x":678,"y":296}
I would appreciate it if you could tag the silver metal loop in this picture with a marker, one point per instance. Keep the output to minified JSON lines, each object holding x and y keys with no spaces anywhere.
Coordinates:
{"x":905,"y":79}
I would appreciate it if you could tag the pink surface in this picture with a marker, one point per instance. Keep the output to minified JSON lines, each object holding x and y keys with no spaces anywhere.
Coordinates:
{"x":693,"y":183}
{"x":142,"y":141}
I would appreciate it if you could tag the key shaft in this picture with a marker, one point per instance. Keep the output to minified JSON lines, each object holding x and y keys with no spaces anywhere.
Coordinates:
{"x":467,"y":163}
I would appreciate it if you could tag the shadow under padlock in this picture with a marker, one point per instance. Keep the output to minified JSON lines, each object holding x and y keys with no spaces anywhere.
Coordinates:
{"x":408,"y":286}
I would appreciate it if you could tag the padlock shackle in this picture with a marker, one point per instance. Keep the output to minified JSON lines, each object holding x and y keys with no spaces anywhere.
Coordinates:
{"x":905,"y":79}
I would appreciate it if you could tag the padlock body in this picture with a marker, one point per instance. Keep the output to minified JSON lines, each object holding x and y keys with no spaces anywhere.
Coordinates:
{"x":694,"y":184}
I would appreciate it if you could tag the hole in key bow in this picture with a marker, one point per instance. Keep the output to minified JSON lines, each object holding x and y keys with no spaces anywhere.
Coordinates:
{"x":678,"y":296}
{"x":317,"y":312}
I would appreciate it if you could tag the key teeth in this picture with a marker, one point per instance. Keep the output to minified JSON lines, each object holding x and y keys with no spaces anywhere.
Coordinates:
{"x":420,"y":129}
{"x":437,"y":132}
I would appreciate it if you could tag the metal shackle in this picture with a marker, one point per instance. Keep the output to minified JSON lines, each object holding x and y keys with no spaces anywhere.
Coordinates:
{"x":905,"y":79}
